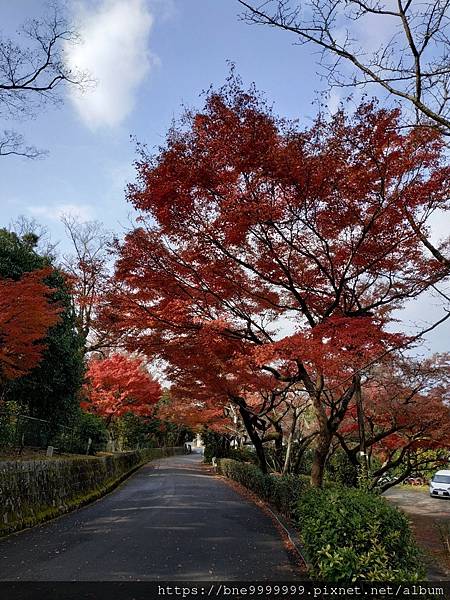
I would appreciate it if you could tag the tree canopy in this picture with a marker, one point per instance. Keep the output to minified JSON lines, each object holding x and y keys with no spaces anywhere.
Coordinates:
{"x":271,"y":257}
{"x":26,"y":314}
{"x":118,"y":385}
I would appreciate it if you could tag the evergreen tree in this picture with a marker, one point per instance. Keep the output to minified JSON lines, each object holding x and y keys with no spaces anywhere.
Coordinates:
{"x":50,"y":390}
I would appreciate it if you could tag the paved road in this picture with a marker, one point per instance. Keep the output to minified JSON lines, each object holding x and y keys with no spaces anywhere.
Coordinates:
{"x":169,"y":521}
{"x":428,"y":516}
{"x":418,"y":502}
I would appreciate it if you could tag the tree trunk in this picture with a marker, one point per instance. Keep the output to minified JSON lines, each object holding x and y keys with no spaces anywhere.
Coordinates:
{"x":361,"y":426}
{"x":279,"y":445}
{"x":320,"y":457}
{"x":323,"y":441}
{"x":287,"y":458}
{"x":248,"y":420}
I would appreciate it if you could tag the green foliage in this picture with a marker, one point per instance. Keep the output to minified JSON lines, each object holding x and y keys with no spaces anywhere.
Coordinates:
{"x":429,"y":462}
{"x":282,"y":492}
{"x":164,"y":434}
{"x":247,"y":475}
{"x":18,"y":256}
{"x":133,"y":431}
{"x":8,"y":424}
{"x":340,"y":470}
{"x":304,"y":462}
{"x":50,"y":391}
{"x":89,"y":426}
{"x":420,"y":463}
{"x":215,"y":445}
{"x":17,"y":430}
{"x":244,"y":454}
{"x":349,"y":534}
{"x":352,"y":535}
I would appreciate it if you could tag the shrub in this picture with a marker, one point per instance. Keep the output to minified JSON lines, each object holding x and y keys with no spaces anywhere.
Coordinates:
{"x":340,"y":470}
{"x":349,"y":534}
{"x":282,"y":492}
{"x":89,"y":426}
{"x":353,"y":535}
{"x":246,"y":474}
{"x":285,"y":491}
{"x":244,"y":454}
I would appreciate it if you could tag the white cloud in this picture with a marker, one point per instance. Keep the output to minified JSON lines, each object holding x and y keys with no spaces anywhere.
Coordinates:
{"x":334,"y":101}
{"x":375,"y":31}
{"x":438,"y":227}
{"x":54,"y":212}
{"x":114,"y":50}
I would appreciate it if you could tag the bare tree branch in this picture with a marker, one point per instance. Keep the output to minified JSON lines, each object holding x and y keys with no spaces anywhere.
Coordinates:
{"x":413,"y":64}
{"x":33,"y":72}
{"x":12,"y":142}
{"x":35,"y":234}
{"x":87,"y":268}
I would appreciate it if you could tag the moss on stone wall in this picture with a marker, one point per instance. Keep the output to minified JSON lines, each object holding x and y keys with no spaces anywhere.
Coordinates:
{"x":37,"y":490}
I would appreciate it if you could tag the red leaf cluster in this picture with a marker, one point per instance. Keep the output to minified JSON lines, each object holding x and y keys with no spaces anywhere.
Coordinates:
{"x":120,"y":384}
{"x":26,"y":314}
{"x":270,"y":255}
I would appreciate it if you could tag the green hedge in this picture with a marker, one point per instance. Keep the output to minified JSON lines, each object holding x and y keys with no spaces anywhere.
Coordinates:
{"x":352,"y":535}
{"x":348,"y":534}
{"x":243,"y":454}
{"x":281,"y":492}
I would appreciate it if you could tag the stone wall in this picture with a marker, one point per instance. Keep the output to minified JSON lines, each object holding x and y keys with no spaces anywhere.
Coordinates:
{"x":36,"y":490}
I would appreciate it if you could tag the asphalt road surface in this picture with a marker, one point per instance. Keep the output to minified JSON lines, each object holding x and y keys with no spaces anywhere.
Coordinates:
{"x":418,"y":502}
{"x":171,"y":520}
{"x":430,"y":517}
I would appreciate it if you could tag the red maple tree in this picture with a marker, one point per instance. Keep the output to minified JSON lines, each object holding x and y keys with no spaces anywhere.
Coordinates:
{"x":272,"y":256}
{"x":193,"y":414}
{"x":406,"y":414}
{"x":26,"y":313}
{"x":118,"y":385}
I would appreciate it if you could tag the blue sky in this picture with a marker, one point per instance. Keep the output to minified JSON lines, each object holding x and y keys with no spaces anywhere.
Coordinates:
{"x":90,"y":153}
{"x":149,"y":57}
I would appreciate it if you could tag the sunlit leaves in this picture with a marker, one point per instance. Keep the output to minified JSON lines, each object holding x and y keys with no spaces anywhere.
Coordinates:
{"x":118,"y":385}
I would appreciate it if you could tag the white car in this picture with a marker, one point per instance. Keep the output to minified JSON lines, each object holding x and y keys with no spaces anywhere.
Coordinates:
{"x":440,"y":484}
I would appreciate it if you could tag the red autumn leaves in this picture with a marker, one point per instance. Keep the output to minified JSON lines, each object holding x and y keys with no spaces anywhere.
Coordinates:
{"x":120,"y":384}
{"x":268,"y":264}
{"x":26,"y":313}
{"x":274,"y":256}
